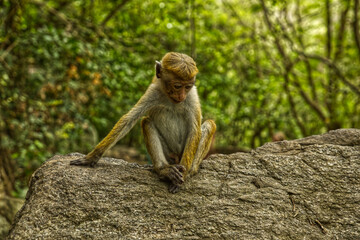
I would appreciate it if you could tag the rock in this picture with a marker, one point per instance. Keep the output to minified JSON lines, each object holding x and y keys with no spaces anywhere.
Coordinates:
{"x":301,"y":189}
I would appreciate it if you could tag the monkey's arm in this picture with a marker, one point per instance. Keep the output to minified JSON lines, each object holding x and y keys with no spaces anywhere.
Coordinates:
{"x":192,"y":141}
{"x":121,"y":128}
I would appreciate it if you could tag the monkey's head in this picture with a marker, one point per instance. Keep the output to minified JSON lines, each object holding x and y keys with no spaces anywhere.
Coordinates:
{"x":177,"y":72}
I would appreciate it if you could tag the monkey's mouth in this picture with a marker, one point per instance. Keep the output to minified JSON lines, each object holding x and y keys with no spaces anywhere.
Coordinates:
{"x":176,"y":101}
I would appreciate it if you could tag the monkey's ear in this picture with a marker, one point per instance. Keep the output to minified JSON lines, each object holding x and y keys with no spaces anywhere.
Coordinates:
{"x":158,"y":69}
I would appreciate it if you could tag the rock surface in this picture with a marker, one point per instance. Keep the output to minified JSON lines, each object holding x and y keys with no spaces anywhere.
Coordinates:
{"x":301,"y":189}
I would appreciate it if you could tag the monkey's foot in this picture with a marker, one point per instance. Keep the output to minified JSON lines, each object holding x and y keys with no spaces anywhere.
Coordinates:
{"x":83,"y":162}
{"x":173,"y":188}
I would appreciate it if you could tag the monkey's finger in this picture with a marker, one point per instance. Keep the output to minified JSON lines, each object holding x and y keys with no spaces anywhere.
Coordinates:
{"x":77,"y":162}
{"x":177,"y":175}
{"x":174,"y":188}
{"x":175,"y":179}
{"x":177,"y":172}
{"x":81,"y":162}
{"x":180,"y":170}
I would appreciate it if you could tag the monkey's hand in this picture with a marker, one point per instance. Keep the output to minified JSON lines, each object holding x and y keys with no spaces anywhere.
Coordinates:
{"x":174,"y":173}
{"x":85,"y":161}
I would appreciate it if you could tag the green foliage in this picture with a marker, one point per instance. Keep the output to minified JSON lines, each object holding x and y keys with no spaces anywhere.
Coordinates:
{"x":67,"y":75}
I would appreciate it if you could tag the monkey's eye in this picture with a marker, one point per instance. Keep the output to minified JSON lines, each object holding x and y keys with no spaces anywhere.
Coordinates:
{"x":177,"y":86}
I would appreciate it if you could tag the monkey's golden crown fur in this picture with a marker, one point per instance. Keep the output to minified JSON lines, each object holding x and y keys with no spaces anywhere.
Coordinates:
{"x":180,"y":64}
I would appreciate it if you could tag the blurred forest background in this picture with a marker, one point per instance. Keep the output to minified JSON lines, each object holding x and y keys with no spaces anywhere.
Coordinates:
{"x":70,"y":68}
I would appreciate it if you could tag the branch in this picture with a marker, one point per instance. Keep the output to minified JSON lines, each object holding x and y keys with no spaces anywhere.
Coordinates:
{"x":287,"y":65}
{"x":356,"y":25}
{"x":307,"y":99}
{"x":292,"y":104}
{"x":341,"y":33}
{"x":192,"y":29}
{"x":337,"y":71}
{"x":113,"y":12}
{"x":11,"y":20}
{"x":71,"y":24}
{"x":8,"y":49}
{"x":328,"y":29}
{"x":331,"y":82}
{"x":5,"y":53}
{"x":53,"y":11}
{"x":234,"y":13}
{"x":273,"y":31}
{"x":302,"y":45}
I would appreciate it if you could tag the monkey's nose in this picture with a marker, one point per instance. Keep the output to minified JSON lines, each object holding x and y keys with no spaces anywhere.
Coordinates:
{"x":181,"y":98}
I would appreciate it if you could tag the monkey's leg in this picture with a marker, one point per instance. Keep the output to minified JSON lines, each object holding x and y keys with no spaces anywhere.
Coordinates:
{"x":208,"y":129}
{"x":156,"y":151}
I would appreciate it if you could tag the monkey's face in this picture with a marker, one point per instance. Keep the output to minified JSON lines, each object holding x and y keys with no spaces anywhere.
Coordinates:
{"x":175,"y":87}
{"x":178,"y":90}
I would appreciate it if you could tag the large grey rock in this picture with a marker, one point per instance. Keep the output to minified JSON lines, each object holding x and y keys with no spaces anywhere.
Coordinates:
{"x":302,"y":189}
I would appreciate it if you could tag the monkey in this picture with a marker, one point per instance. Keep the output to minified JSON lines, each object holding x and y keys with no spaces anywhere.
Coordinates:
{"x":175,"y":138}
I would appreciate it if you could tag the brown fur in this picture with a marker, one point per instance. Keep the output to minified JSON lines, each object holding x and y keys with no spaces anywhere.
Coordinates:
{"x":174,"y":136}
{"x":180,"y":64}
